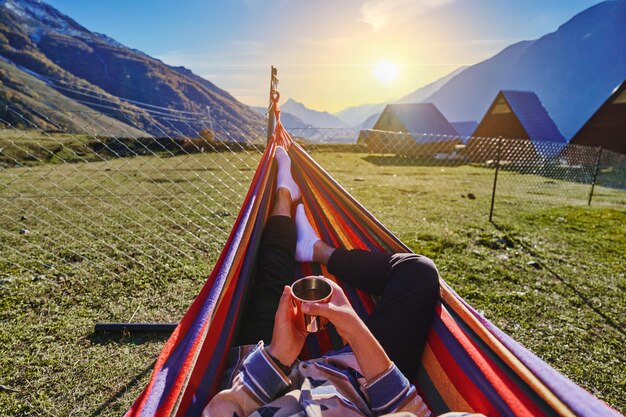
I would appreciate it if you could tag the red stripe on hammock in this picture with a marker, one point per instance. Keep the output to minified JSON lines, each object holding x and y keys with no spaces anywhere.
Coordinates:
{"x":208,"y":348}
{"x":519,"y":403}
{"x":181,"y":330}
{"x":464,"y":385}
{"x":341,"y":218}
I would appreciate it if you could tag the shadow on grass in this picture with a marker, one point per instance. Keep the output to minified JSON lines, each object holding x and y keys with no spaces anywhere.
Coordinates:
{"x":124,"y":389}
{"x":398,"y":160}
{"x":126,"y":338}
{"x":583,"y":297}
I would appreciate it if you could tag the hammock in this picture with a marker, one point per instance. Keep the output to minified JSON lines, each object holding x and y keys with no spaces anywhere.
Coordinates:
{"x":468,"y":364}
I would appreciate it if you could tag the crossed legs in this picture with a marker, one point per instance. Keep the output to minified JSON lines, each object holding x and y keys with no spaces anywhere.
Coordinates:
{"x":408,"y":287}
{"x":407,"y":284}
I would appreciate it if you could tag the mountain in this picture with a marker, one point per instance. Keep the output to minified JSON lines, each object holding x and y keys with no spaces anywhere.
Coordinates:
{"x":573,"y":70}
{"x":22,"y":93}
{"x":312,"y":117}
{"x":289,"y":120}
{"x":365,"y":116}
{"x":419,"y":95}
{"x":105,"y":75}
{"x":354,"y":116}
{"x":370,"y":121}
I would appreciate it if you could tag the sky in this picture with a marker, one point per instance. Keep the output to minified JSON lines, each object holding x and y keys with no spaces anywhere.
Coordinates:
{"x":328,"y":52}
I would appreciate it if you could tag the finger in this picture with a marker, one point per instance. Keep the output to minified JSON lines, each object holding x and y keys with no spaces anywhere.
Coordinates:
{"x":317,"y":309}
{"x":336,"y":288}
{"x":331,"y":282}
{"x":284,"y":304}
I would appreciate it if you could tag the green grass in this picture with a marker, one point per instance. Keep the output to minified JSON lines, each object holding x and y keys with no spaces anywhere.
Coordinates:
{"x":28,"y":148}
{"x":134,"y":239}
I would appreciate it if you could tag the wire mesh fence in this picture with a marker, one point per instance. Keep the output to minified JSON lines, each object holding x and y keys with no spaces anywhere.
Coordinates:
{"x":107,"y":194}
{"x":119,"y":217}
{"x":525,"y":173}
{"x":80,"y":188}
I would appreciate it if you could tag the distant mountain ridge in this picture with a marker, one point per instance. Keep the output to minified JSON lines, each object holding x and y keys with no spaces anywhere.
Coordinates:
{"x":426,"y":91}
{"x":312,"y":117}
{"x":38,"y":38}
{"x":364,"y":116}
{"x":573,"y":70}
{"x":355,"y":115}
{"x":288,"y":120}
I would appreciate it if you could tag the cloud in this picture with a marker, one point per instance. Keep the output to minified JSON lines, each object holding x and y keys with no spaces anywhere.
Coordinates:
{"x":378,"y":13}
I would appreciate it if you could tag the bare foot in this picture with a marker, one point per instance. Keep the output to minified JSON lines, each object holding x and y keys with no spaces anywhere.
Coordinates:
{"x":322,"y":252}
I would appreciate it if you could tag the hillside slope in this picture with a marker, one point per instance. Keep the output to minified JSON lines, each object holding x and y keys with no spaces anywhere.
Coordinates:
{"x":39,"y":38}
{"x":21,"y":95}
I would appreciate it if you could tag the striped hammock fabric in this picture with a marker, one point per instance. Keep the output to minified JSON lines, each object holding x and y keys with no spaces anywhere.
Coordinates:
{"x":468,"y":364}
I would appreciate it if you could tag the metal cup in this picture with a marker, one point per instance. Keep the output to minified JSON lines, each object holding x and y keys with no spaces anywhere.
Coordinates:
{"x":311,"y":289}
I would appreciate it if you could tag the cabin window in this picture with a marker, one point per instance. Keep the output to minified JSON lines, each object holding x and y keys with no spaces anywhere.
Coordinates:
{"x":501,"y":107}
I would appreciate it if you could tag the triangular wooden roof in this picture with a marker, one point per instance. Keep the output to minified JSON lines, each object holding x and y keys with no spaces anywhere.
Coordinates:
{"x":419,"y":118}
{"x":525,"y":108}
{"x":607,"y":126}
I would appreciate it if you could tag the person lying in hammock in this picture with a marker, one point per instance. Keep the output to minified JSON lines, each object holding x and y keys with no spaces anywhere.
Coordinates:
{"x":371,"y":374}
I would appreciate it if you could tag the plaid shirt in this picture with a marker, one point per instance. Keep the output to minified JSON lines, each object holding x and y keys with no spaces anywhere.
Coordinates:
{"x":331,"y":386}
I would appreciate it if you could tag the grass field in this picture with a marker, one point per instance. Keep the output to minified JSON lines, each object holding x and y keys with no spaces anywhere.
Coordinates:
{"x":133,"y":239}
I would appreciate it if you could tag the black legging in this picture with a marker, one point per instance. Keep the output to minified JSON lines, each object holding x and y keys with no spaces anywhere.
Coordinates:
{"x":408,"y":286}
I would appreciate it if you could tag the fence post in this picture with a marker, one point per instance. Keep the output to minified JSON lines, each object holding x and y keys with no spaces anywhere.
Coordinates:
{"x":495,"y":177}
{"x":270,"y":113}
{"x":595,"y":174}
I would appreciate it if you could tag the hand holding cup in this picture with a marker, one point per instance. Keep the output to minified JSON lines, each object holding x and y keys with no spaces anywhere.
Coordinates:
{"x":338,"y":311}
{"x":311,"y":289}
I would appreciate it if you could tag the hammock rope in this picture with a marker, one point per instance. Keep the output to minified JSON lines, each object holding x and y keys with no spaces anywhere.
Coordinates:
{"x":468,"y":364}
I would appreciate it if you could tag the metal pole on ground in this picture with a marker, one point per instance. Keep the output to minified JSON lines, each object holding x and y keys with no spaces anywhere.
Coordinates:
{"x":595,"y":174}
{"x":135,"y":327}
{"x":495,"y":177}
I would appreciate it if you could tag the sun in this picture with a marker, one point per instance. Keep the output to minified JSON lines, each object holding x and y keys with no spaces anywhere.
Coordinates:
{"x":385,"y":72}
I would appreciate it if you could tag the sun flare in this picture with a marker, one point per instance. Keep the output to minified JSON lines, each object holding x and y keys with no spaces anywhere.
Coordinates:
{"x":386,"y":71}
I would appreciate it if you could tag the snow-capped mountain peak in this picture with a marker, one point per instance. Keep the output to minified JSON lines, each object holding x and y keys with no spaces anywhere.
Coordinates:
{"x":38,"y":17}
